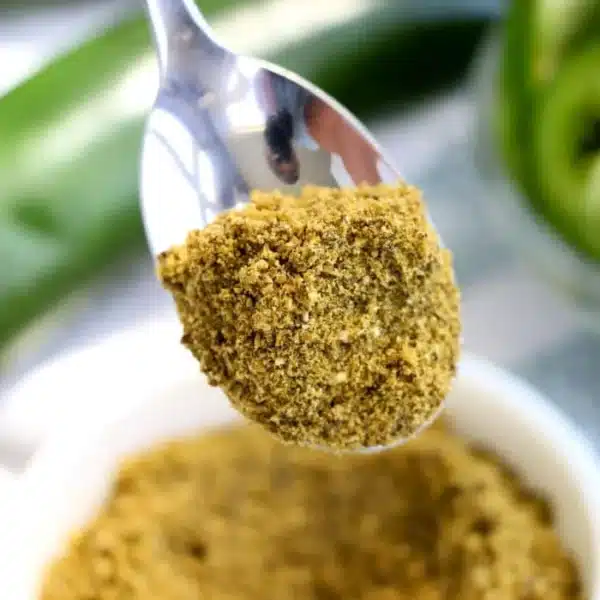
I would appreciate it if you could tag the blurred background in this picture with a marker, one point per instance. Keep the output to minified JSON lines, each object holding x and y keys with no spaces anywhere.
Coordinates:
{"x":492,"y":107}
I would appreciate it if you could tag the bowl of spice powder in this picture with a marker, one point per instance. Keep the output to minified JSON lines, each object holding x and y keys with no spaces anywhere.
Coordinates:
{"x":330,"y":318}
{"x":152,"y":495}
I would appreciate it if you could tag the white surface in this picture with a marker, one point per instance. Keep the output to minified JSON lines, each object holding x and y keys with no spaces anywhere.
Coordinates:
{"x":161,"y":394}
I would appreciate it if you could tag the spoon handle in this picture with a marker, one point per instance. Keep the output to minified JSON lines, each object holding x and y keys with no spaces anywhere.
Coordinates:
{"x":178,"y":25}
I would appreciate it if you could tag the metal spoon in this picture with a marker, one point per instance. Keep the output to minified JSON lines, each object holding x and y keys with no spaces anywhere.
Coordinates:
{"x":224,"y":124}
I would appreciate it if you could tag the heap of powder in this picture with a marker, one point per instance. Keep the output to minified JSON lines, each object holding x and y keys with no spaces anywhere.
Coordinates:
{"x":234,"y":515}
{"x":331,"y":319}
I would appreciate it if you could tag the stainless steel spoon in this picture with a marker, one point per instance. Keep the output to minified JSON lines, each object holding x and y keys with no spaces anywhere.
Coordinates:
{"x":224,"y":124}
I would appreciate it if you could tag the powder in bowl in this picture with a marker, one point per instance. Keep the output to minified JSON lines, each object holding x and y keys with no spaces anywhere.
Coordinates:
{"x":233,"y":514}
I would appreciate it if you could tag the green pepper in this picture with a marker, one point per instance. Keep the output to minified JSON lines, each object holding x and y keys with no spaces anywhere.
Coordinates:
{"x":71,"y":136}
{"x":560,"y":27}
{"x":548,"y":113}
{"x":514,"y":97}
{"x":567,"y":148}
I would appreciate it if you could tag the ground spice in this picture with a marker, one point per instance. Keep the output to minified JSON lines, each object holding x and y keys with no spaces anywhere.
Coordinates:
{"x":235,"y":515}
{"x":331,"y":319}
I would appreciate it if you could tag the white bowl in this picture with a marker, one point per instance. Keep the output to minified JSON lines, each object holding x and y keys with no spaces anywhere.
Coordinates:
{"x":111,"y":411}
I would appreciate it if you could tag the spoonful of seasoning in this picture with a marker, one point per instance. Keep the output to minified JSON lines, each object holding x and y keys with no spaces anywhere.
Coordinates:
{"x":311,"y":286}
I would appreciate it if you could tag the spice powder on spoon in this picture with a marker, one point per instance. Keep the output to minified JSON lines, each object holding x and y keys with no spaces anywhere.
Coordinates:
{"x":331,"y":319}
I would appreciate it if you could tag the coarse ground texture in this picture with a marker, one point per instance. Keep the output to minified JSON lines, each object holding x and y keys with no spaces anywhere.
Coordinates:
{"x":236,"y":515}
{"x":331,"y":319}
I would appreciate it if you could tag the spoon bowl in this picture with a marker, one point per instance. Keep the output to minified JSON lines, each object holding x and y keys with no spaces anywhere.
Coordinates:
{"x":224,"y":124}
